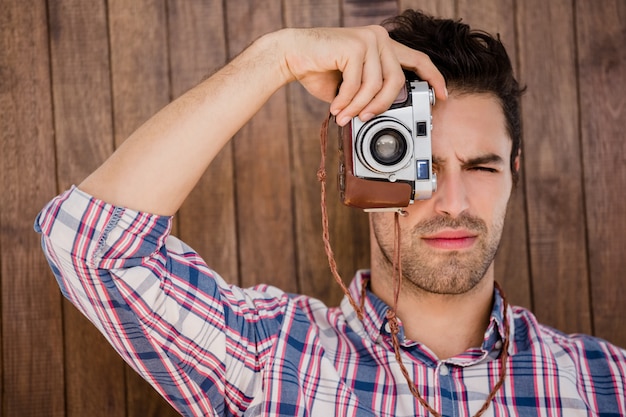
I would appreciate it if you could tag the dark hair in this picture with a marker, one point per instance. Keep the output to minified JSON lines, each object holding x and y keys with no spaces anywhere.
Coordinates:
{"x":471,"y":61}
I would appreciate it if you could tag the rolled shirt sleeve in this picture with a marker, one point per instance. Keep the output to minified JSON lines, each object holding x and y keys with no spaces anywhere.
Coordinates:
{"x":195,"y":338}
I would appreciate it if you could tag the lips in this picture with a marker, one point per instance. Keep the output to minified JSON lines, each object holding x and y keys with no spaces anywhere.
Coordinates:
{"x":451,"y":239}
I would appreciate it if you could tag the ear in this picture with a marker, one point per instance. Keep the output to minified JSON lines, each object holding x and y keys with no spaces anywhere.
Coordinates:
{"x":516,"y":161}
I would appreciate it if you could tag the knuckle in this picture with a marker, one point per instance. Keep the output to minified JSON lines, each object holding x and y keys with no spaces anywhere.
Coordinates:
{"x":379,"y":31}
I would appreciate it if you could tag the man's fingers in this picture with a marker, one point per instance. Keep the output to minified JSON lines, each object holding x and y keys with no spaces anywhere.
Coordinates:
{"x":421,"y":64}
{"x":372,"y":88}
{"x":349,"y":87}
{"x":371,"y":85}
{"x":392,"y":82}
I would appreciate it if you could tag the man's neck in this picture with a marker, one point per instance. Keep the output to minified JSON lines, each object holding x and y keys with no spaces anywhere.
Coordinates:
{"x":447,"y":324}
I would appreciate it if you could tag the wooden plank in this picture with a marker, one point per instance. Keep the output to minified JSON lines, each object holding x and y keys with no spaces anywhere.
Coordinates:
{"x":306,"y":115}
{"x":439,"y":8}
{"x":139,"y":65}
{"x":84,"y":139}
{"x":552,"y":165}
{"x":367,"y":12}
{"x":207,"y":219}
{"x":495,"y":17}
{"x":512,"y":261}
{"x":262,"y":166}
{"x":31,"y":333}
{"x":602,"y":79}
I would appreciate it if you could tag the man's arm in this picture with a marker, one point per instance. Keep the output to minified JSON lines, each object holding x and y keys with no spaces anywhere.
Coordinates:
{"x":159,"y":164}
{"x":154,"y":299}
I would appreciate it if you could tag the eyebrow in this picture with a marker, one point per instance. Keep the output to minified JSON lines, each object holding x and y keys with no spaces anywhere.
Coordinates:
{"x":489,"y":158}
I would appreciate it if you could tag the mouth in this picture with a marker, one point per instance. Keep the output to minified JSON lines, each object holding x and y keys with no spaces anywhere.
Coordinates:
{"x":451,"y":239}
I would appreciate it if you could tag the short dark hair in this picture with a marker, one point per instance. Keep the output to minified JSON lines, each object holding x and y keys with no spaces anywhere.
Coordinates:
{"x":471,"y":61}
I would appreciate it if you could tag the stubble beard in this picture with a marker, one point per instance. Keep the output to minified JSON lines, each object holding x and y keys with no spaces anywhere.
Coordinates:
{"x":425,"y":269}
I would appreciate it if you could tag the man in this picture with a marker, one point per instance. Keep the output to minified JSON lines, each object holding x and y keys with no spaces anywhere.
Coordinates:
{"x":447,"y":344}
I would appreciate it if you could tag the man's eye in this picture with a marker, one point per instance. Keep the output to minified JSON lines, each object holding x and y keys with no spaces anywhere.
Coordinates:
{"x":484,"y":169}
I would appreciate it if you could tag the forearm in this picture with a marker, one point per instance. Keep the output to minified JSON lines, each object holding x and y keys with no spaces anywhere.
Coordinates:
{"x":159,"y":164}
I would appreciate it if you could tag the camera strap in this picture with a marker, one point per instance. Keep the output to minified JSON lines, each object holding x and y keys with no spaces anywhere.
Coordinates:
{"x":321,"y":177}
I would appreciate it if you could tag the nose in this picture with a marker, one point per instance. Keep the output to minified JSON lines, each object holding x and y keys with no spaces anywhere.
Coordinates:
{"x":451,"y":197}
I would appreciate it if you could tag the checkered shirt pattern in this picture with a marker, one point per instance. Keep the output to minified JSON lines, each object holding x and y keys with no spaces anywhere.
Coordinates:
{"x":213,"y":349}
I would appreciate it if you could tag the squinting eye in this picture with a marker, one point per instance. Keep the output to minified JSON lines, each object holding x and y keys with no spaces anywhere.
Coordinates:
{"x":485,"y":169}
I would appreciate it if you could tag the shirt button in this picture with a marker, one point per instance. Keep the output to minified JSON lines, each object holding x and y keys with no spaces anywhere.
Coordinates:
{"x":387,"y":328}
{"x":443,"y":370}
{"x":498,"y":345}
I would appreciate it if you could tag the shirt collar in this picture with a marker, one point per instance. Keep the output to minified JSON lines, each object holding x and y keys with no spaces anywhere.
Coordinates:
{"x":375,"y":320}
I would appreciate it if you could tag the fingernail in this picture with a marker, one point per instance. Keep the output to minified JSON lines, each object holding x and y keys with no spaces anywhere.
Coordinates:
{"x":343,"y":120}
{"x":366,"y":117}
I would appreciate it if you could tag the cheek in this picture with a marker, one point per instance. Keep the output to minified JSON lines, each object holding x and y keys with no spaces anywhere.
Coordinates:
{"x":381,"y":227}
{"x":489,"y":200}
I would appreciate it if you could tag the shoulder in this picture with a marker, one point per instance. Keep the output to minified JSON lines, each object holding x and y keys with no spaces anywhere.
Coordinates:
{"x":528,"y":327}
{"x":587,"y":355}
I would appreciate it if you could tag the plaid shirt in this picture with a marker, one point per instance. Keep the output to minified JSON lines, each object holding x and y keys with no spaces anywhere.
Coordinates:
{"x":214,"y":349}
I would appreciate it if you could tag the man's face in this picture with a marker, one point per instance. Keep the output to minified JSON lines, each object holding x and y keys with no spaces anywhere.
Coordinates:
{"x":449,"y":241}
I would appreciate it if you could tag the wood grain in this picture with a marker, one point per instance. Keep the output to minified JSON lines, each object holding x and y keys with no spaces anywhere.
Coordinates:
{"x":602,"y":79}
{"x":367,"y":12}
{"x":139,"y":62}
{"x":438,"y":8}
{"x":552,"y":165}
{"x":32,"y":375}
{"x":262,"y":167}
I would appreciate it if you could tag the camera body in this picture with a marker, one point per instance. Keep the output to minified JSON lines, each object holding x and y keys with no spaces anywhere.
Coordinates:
{"x":386,"y":162}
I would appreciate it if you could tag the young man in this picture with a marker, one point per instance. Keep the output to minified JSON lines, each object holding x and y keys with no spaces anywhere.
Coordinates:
{"x":447,"y":344}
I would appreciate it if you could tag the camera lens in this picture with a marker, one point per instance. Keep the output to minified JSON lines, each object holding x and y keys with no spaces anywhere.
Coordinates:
{"x":384,"y":145}
{"x":388,"y":147}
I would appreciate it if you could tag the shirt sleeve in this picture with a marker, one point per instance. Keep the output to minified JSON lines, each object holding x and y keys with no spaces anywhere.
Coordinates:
{"x":199,"y":341}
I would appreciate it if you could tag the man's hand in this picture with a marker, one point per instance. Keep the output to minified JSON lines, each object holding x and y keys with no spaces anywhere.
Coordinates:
{"x":363,"y":62}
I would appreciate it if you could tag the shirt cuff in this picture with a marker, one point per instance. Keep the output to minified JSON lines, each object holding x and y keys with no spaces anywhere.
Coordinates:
{"x":100,"y":234}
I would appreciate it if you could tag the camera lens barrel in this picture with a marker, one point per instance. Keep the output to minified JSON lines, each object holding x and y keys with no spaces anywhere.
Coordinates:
{"x":388,"y":147}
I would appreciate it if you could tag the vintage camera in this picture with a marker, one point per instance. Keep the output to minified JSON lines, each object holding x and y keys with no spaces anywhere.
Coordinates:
{"x":386,"y":162}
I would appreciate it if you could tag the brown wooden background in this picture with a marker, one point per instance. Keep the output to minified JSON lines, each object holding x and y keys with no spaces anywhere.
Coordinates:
{"x":76,"y":77}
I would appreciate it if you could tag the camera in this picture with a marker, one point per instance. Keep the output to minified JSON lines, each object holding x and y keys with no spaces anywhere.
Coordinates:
{"x":386,"y":162}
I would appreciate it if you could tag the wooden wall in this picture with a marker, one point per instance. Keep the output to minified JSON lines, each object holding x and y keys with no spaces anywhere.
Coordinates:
{"x":76,"y":77}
